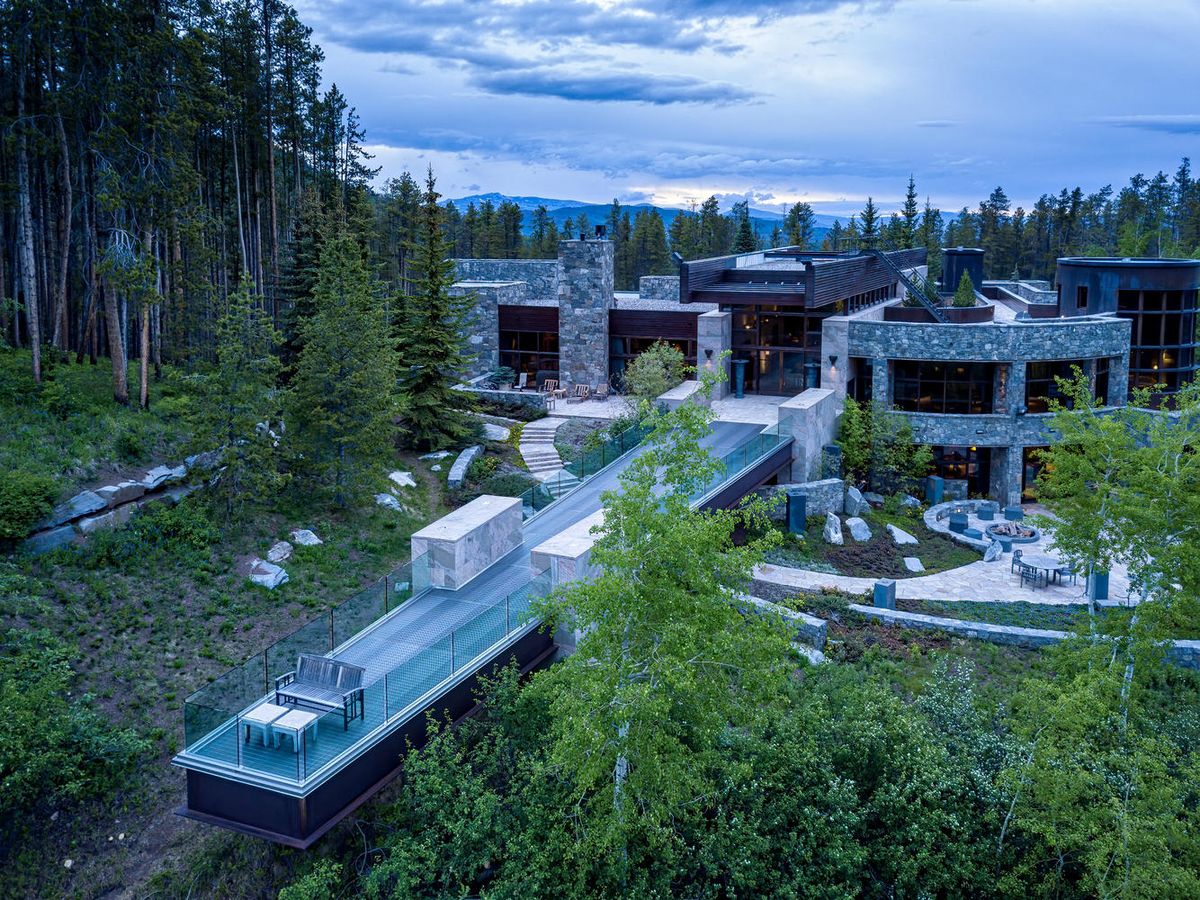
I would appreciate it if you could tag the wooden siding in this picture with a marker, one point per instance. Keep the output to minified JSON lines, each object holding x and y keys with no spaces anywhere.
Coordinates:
{"x":529,"y":318}
{"x":673,"y":326}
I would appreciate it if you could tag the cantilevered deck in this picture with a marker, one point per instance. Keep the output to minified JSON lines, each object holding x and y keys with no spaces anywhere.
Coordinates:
{"x":426,"y":652}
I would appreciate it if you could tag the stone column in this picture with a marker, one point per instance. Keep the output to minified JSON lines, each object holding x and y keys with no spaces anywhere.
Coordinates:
{"x":881,"y":388}
{"x":835,"y":341}
{"x":811,"y":420}
{"x":1001,"y":398}
{"x":714,"y":331}
{"x":585,"y":294}
{"x":1016,"y":386}
{"x":1008,"y":465}
{"x":1118,"y":379}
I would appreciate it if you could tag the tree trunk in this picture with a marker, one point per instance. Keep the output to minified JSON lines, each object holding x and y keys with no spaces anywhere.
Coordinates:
{"x":270,"y":123}
{"x":237,"y":192}
{"x":61,"y":338}
{"x":25,"y":238}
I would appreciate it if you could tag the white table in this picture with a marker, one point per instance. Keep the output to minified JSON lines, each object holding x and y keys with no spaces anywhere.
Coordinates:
{"x":295,"y":723}
{"x":263,"y":717}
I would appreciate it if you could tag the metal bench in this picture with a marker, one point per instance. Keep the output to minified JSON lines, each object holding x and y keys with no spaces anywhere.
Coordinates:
{"x":325,"y":684}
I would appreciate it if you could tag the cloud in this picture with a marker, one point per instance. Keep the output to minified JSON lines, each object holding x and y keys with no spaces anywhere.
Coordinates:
{"x":937,"y":123}
{"x":620,"y":86}
{"x":1175,"y":124}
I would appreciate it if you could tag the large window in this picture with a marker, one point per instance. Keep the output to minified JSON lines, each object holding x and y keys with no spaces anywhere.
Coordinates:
{"x":958,"y":388}
{"x":533,"y":352}
{"x":1163,"y":340}
{"x":1041,"y":382}
{"x":623,"y":350}
{"x":781,"y":346}
{"x":970,"y":464}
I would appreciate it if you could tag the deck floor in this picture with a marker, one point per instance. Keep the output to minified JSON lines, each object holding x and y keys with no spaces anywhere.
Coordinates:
{"x":409,"y":651}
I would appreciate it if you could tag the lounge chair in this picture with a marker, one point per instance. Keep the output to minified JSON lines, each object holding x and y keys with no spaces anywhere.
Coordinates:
{"x":549,"y":386}
{"x":522,"y":381}
{"x":579,"y":394}
{"x":601,"y":393}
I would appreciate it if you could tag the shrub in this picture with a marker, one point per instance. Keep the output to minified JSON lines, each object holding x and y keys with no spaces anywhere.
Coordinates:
{"x":58,"y":399}
{"x":482,"y":467}
{"x":52,"y":748}
{"x":964,"y":296}
{"x":511,"y":484}
{"x":183,"y":530}
{"x":655,"y":371}
{"x":130,"y":442}
{"x":25,"y":498}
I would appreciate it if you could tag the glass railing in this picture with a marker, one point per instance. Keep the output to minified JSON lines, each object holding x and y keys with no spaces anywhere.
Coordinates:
{"x":236,"y":689}
{"x":576,"y":472}
{"x":741,"y":458}
{"x":233,"y":739}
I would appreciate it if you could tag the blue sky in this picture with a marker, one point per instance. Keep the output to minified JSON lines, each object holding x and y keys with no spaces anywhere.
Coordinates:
{"x":669,"y":101}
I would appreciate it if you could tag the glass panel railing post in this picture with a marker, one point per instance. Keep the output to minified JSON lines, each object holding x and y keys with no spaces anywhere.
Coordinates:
{"x":237,"y":737}
{"x":452,"y":653}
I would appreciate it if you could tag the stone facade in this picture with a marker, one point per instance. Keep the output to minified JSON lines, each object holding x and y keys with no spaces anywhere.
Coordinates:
{"x":820,"y":497}
{"x":540,"y":274}
{"x":811,"y":419}
{"x":483,"y":333}
{"x":585,"y":293}
{"x":659,"y":287}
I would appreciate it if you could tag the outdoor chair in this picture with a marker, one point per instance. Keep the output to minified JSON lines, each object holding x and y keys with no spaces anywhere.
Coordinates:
{"x":1033,"y":576}
{"x":549,"y":386}
{"x":325,"y":684}
{"x":522,"y":381}
{"x":1016,"y":561}
{"x":601,"y":393}
{"x":579,"y":395}
{"x":1067,"y":572}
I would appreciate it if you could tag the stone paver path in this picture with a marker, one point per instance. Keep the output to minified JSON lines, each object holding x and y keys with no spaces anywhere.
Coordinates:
{"x":541,"y":457}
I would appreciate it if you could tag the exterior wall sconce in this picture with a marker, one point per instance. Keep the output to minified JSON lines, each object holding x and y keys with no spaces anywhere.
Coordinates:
{"x":833,"y":358}
{"x":708,"y":352}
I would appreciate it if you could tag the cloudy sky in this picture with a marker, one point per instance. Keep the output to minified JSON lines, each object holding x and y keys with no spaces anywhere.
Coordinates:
{"x":820,"y":100}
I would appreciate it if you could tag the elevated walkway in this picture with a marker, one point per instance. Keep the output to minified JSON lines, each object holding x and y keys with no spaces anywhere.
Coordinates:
{"x":424,"y":649}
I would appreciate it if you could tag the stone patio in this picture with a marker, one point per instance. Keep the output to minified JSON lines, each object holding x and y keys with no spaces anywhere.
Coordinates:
{"x":751,"y":409}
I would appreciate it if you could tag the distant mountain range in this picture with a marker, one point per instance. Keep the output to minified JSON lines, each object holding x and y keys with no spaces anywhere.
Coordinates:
{"x":763,"y":220}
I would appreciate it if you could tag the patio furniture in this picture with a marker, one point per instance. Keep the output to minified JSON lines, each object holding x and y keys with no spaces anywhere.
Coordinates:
{"x":522,"y":381}
{"x":1067,"y":572}
{"x":262,"y":717}
{"x":1033,"y":575}
{"x":324,"y":683}
{"x":601,"y":393}
{"x":1016,"y":557}
{"x":549,"y":386}
{"x":579,"y":394}
{"x":295,"y":724}
{"x":1014,"y":513}
{"x":985,"y":513}
{"x":974,"y":533}
{"x":958,"y":522}
{"x":550,"y":401}
{"x":1048,"y":566}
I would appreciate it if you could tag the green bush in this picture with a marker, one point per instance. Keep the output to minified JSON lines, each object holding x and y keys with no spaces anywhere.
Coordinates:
{"x":52,"y":747}
{"x":508,"y":485}
{"x":182,"y":531}
{"x":58,"y":399}
{"x":130,"y":442}
{"x":482,"y":467}
{"x":25,"y":498}
{"x":964,"y":295}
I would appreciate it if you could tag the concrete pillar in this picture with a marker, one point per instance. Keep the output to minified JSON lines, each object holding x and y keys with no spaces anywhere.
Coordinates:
{"x":714,"y":331}
{"x":585,"y":294}
{"x":568,"y":557}
{"x":835,"y":342}
{"x":811,"y":420}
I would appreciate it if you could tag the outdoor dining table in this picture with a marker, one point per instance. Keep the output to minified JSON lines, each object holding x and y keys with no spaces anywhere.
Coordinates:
{"x":1051,"y":565}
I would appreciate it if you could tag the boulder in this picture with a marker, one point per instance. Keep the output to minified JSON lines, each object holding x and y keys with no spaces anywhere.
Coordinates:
{"x":458,"y":471}
{"x":279,"y":552}
{"x":876,"y":500}
{"x":900,"y":537}
{"x":994,"y":551}
{"x":437,"y":454}
{"x":110,"y":519}
{"x":305,"y":538}
{"x":206,"y":460}
{"x":435,"y":468}
{"x":402,"y":479}
{"x":45,"y":541}
{"x":116,"y":494}
{"x":82,"y":504}
{"x":859,"y":530}
{"x":833,"y":530}
{"x":171,"y":496}
{"x":495,"y":432}
{"x":160,"y":475}
{"x":913,"y":564}
{"x":908,"y":501}
{"x":267,"y":574}
{"x":856,"y":505}
{"x":387,"y":501}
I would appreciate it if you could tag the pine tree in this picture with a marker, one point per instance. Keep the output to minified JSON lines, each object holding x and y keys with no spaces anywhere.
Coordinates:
{"x":300,"y":273}
{"x":869,"y":228}
{"x":434,"y":414}
{"x":744,"y":241}
{"x":239,"y":408}
{"x":343,"y":395}
{"x":910,"y":215}
{"x":799,"y":223}
{"x":964,"y":295}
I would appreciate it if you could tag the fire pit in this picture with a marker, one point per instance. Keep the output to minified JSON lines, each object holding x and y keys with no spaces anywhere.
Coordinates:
{"x":1016,"y":532}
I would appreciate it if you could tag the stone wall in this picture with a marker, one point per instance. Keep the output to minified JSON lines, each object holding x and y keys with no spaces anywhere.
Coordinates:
{"x":540,"y":274}
{"x":465,"y":542}
{"x":811,"y":419}
{"x":659,"y":287}
{"x":483,"y":323}
{"x":820,"y":497}
{"x":585,"y":294}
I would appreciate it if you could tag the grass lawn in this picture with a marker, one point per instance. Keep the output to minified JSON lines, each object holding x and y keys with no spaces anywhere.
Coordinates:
{"x":72,"y":430}
{"x":153,"y":621}
{"x":877,"y":558}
